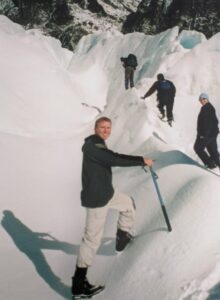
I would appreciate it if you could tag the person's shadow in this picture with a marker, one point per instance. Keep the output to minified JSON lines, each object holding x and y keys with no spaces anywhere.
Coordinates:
{"x":31,"y":243}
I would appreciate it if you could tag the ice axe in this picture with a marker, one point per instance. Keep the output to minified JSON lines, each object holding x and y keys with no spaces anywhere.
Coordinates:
{"x":155,"y":177}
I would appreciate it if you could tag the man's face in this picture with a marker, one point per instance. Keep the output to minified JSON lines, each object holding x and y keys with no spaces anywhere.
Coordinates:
{"x":103,"y":129}
{"x":203,"y":101}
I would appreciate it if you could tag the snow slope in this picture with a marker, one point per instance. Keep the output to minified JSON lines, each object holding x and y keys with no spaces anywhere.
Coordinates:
{"x":50,"y":98}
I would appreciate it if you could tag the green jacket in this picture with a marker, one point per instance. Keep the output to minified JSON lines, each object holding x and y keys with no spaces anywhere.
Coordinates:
{"x":97,"y":187}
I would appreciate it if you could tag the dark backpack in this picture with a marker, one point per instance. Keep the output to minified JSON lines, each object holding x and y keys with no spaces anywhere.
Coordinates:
{"x":165,"y":85}
{"x":166,"y":89}
{"x":131,"y":61}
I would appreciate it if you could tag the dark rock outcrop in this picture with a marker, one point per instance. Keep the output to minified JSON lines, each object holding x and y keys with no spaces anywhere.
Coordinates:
{"x":69,"y":20}
{"x":154,"y":16}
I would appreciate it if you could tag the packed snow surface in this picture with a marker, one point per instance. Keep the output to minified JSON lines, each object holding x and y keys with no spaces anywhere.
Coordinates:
{"x":49,"y":100}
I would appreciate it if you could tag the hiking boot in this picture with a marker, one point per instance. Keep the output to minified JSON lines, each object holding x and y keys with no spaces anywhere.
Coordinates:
{"x":211,"y":165}
{"x":84,"y":289}
{"x":122,"y":239}
{"x":90,"y":286}
{"x":78,"y":280}
{"x":162,"y":115}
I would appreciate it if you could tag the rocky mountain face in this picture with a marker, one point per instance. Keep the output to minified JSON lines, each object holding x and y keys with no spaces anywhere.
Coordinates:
{"x":69,"y":20}
{"x":153,"y":16}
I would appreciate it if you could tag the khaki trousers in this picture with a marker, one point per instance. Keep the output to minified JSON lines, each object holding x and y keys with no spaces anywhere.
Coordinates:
{"x":95,"y":222}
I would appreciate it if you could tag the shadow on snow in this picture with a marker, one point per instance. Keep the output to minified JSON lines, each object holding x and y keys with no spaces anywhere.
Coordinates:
{"x":32,"y":243}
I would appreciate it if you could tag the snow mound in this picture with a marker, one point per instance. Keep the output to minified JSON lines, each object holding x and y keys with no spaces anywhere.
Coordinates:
{"x":49,"y":101}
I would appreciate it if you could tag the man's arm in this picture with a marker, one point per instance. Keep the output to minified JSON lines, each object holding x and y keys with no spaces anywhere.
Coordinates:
{"x":151,"y":90}
{"x":109,"y":158}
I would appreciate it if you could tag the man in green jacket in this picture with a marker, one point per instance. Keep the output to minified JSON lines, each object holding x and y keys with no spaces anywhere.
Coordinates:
{"x":97,"y":197}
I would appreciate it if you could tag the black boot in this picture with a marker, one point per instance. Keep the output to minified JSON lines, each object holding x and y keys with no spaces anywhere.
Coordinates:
{"x":211,"y":165}
{"x":78,"y":280}
{"x":81,"y":288}
{"x":122,"y":239}
{"x":170,"y":123}
{"x":162,"y":115}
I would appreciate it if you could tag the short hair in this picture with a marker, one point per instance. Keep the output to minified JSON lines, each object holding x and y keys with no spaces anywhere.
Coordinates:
{"x":160,"y":76}
{"x":102,"y":119}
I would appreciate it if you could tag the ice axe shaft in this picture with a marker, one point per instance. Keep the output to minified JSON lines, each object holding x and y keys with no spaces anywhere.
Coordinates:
{"x":155,"y":177}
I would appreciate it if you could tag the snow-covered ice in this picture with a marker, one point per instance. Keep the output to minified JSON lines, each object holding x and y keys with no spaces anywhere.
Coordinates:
{"x":49,"y":100}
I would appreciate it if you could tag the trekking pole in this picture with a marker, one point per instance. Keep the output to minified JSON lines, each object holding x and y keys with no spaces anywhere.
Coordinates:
{"x":155,"y":177}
